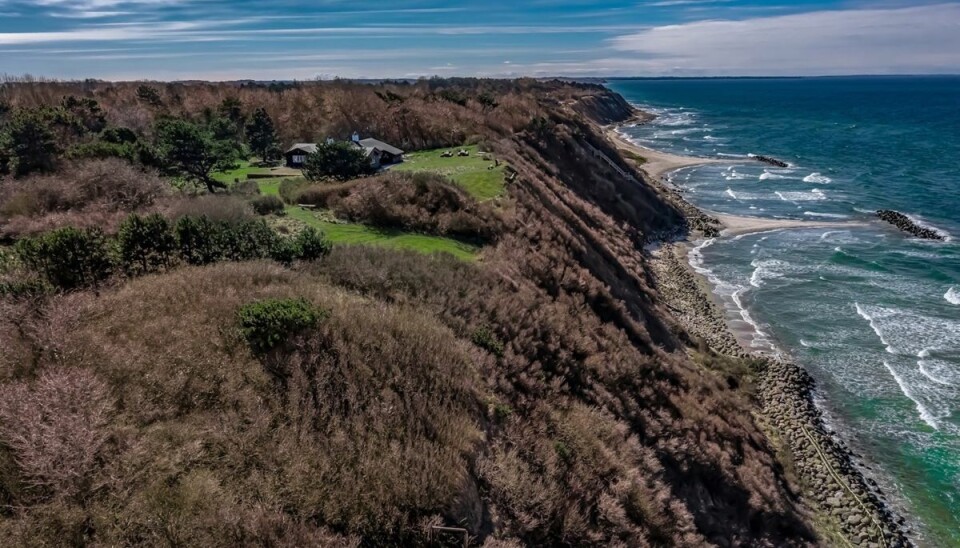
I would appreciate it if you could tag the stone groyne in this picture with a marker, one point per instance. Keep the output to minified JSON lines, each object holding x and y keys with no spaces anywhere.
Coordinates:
{"x":907,"y":225}
{"x":771,"y":161}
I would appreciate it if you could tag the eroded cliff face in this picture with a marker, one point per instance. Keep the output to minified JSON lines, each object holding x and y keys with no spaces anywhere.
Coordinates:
{"x":582,"y":218}
{"x":606,"y":107}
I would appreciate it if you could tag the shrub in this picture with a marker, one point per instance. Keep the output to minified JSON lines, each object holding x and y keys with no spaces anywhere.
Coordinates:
{"x":231,"y":209}
{"x":204,"y":241}
{"x":485,"y":339}
{"x":198,"y":239}
{"x":265,"y":324}
{"x":267,"y":205}
{"x":321,"y":195}
{"x":290,"y":189}
{"x":311,"y":244}
{"x":104,"y":185}
{"x":146,"y":244}
{"x":247,"y":187}
{"x":69,"y":258}
{"x":423,"y":202}
{"x":56,"y":426}
{"x":248,"y":240}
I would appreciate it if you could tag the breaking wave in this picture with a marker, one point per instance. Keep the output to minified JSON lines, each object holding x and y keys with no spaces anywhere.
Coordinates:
{"x":816,"y":178}
{"x":952,"y":296}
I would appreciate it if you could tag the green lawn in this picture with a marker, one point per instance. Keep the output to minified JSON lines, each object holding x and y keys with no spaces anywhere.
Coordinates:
{"x":471,"y":172}
{"x":244,"y":168}
{"x":366,"y":235}
{"x":269,"y":185}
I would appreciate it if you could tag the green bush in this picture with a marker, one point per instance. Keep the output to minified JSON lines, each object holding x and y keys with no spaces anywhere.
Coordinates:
{"x":199,"y":240}
{"x":146,"y":244}
{"x":485,"y":339}
{"x":248,"y":240}
{"x":265,"y":324}
{"x":311,"y":244}
{"x":202,"y":241}
{"x":68,"y":258}
{"x":267,"y":205}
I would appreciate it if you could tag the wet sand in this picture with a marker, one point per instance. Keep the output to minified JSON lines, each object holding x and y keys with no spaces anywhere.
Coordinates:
{"x":659,"y":163}
{"x":735,"y":225}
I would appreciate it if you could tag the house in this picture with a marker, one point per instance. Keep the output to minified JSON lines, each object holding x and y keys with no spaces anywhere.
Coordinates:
{"x":296,"y":156}
{"x":383,"y":153}
{"x":379,"y":153}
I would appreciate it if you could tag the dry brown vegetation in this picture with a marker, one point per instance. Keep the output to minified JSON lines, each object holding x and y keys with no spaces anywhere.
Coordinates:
{"x":418,"y":202}
{"x":85,"y":194}
{"x":541,"y":396}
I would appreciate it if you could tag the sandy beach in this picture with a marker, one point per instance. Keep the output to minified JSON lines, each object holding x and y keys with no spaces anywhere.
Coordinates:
{"x":736,"y":225}
{"x":659,"y":163}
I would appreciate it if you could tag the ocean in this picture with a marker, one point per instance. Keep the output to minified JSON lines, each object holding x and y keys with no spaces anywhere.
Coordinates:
{"x":872,"y":313}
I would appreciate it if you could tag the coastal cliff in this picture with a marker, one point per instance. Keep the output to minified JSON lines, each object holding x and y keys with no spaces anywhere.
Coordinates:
{"x":553,"y":388}
{"x":849,"y":507}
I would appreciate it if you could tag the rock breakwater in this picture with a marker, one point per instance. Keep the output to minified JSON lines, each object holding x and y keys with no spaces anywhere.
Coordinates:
{"x":834,"y":484}
{"x":907,"y":225}
{"x":771,"y":161}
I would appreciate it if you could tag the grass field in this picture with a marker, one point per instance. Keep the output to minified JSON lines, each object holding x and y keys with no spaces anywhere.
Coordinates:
{"x":471,"y":172}
{"x":366,"y":235}
{"x":268,"y":186}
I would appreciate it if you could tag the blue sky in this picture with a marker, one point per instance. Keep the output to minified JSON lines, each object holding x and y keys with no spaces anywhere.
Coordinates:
{"x":286,"y":39}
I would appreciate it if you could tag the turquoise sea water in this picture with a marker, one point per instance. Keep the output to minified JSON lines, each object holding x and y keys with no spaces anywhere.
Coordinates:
{"x":872,"y":313}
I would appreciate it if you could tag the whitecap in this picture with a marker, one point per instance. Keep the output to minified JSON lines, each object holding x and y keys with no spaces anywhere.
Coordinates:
{"x":924,"y":366}
{"x":862,"y":311}
{"x":767,"y":270}
{"x":813,"y":195}
{"x":817,"y":179}
{"x":925,"y":414}
{"x":768,"y":175}
{"x":952,"y":296}
{"x":825,"y":215}
{"x":923,"y":224}
{"x":730,"y":193}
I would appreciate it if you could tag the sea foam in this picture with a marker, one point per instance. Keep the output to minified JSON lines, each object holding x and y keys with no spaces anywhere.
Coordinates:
{"x":816,"y":178}
{"x":925,"y":413}
{"x":952,"y":296}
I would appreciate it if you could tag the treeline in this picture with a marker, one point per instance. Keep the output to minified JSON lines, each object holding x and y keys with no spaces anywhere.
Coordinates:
{"x":412,"y":116}
{"x":39,"y":139}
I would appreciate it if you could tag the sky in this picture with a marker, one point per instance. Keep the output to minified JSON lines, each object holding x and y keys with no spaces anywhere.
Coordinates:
{"x":287,"y":39}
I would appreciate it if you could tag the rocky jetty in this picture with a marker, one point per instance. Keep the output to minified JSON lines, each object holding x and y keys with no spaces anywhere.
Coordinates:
{"x":833,"y":482}
{"x":771,"y":161}
{"x":904,"y":223}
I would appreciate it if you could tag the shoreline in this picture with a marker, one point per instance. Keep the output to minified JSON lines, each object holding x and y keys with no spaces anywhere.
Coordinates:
{"x":847,"y":504}
{"x":658,"y":164}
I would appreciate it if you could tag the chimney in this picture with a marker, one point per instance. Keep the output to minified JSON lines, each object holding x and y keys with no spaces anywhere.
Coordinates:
{"x":356,"y":137}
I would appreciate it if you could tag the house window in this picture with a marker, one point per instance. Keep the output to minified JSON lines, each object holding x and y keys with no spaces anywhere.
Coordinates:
{"x":299,"y":158}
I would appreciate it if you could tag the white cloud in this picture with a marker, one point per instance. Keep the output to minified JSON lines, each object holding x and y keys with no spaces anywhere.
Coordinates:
{"x":924,"y":39}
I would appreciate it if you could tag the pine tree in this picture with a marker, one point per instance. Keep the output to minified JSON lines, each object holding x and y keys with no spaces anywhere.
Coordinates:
{"x":261,"y":135}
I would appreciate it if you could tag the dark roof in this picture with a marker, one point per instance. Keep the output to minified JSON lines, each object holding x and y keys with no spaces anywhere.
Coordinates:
{"x":373,"y":143}
{"x":305,"y":147}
